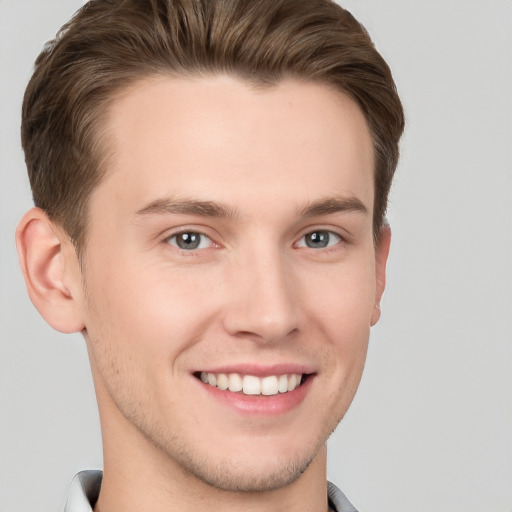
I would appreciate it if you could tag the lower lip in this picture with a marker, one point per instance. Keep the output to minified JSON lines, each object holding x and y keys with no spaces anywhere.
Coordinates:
{"x":265,"y":405}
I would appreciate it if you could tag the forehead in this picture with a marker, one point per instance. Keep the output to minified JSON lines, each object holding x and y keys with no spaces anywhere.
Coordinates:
{"x":222,"y":139}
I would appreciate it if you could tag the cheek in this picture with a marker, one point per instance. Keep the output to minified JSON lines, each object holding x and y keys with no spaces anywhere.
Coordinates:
{"x":345,"y":297}
{"x":150,"y":312}
{"x":342,"y":314}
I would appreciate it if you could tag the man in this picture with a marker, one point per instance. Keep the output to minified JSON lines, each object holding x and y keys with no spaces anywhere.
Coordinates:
{"x":210,"y":180}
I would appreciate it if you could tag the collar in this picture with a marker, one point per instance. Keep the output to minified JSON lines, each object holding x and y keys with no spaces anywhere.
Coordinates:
{"x":84,"y":491}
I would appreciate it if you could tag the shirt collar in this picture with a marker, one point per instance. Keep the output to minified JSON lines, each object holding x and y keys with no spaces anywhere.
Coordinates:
{"x":84,"y":491}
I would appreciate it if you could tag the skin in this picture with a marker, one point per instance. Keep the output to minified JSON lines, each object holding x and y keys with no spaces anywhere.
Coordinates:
{"x":253,"y":293}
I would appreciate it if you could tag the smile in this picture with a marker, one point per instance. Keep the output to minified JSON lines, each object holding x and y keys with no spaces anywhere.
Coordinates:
{"x":252,"y":385}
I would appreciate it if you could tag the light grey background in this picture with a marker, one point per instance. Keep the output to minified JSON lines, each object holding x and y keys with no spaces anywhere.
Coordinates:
{"x":431,"y":427}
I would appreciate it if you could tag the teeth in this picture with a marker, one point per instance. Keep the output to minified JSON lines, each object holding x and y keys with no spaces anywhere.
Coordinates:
{"x":269,"y":386}
{"x":222,"y":381}
{"x":235,"y":382}
{"x":283,"y":384}
{"x":251,"y":385}
{"x":292,"y":382}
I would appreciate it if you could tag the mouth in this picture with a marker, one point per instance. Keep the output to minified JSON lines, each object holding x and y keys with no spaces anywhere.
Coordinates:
{"x":253,"y":385}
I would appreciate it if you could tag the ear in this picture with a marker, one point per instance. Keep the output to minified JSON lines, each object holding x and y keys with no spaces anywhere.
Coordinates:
{"x":51,"y":271}
{"x":381,"y":258}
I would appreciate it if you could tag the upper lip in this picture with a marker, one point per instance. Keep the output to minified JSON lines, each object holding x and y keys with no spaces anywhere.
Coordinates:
{"x":260,"y":370}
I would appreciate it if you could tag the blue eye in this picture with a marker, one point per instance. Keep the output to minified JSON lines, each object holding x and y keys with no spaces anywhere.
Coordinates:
{"x":190,"y":241}
{"x":320,"y":239}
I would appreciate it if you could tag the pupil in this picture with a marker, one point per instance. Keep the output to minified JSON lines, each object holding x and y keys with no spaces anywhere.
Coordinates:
{"x":188,"y":241}
{"x":317,"y":239}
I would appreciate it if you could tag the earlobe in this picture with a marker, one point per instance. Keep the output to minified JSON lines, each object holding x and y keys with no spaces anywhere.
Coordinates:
{"x":381,"y":258}
{"x":44,"y":255}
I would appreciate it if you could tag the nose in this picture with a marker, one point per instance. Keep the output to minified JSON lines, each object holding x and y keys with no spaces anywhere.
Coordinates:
{"x":263,"y":303}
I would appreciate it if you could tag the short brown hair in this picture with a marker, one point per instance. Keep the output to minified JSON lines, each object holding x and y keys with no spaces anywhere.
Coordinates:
{"x":109,"y":44}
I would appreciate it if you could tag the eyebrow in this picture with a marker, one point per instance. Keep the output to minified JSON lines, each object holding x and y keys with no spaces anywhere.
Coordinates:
{"x":188,"y":207}
{"x":213,"y":209}
{"x":334,"y":205}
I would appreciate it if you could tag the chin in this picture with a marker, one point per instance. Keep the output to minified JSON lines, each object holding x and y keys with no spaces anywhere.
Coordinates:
{"x":248,"y":475}
{"x":268,"y":466}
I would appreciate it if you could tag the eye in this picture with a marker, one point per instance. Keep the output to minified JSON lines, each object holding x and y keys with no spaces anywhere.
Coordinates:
{"x":320,"y":239}
{"x":190,"y":241}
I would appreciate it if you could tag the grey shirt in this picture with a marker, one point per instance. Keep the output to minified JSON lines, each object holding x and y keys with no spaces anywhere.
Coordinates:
{"x":85,"y":489}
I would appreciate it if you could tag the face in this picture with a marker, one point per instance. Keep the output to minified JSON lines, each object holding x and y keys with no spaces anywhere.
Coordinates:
{"x":230,"y":275}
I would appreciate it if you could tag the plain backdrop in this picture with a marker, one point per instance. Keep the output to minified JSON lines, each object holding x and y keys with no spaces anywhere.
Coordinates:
{"x":431,"y":427}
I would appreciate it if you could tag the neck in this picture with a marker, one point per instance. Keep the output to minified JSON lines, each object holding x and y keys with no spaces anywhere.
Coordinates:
{"x":132,"y":491}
